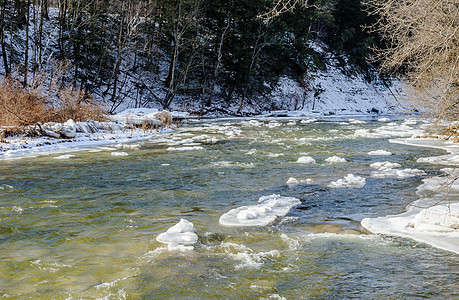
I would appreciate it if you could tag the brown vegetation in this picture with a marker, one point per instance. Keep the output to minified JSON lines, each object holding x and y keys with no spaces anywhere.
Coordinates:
{"x":423,"y":37}
{"x":27,"y":106}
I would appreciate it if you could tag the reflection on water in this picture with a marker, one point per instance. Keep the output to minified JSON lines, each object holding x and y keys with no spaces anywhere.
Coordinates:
{"x":85,"y":226}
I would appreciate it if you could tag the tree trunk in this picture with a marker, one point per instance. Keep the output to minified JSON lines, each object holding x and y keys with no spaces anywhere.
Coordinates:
{"x":2,"y":37}
{"x":119,"y":58}
{"x":26,"y":50}
{"x":217,"y":65}
{"x":44,"y":9}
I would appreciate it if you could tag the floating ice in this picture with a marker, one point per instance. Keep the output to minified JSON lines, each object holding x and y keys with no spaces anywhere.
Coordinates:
{"x":384,"y":165}
{"x":5,"y":187}
{"x":350,"y":181}
{"x":66,"y":156}
{"x":128,"y":146}
{"x":182,"y":236}
{"x":389,"y":130}
{"x":262,"y":214}
{"x":353,"y":121}
{"x":383,"y":120}
{"x":292,"y":181}
{"x":190,"y":148}
{"x":335,"y":159}
{"x":379,"y":152}
{"x":308,"y":121}
{"x":205,"y":139}
{"x":306,"y":160}
{"x":119,"y":154}
{"x":387,"y":169}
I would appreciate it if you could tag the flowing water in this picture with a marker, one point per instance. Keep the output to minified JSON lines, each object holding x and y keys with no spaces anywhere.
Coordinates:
{"x":85,"y":227}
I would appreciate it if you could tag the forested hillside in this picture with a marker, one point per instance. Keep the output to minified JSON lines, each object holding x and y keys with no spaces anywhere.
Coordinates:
{"x":209,"y":54}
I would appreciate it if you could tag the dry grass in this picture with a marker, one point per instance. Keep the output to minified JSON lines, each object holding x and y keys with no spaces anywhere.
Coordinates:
{"x":27,"y":106}
{"x":20,"y":107}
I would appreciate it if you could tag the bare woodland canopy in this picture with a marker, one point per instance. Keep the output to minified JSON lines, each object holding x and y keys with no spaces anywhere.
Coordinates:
{"x":423,"y":38}
{"x":157,"y":49}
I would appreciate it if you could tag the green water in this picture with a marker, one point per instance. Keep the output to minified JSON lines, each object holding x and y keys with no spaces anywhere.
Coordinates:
{"x":85,"y":227}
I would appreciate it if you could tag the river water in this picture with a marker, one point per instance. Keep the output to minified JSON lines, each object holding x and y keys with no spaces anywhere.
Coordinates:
{"x":86,"y":226}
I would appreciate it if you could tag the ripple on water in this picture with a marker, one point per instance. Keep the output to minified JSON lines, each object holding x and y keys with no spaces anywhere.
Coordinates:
{"x":86,"y":227}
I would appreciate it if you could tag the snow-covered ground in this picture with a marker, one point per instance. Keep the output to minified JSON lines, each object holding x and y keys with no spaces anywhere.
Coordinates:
{"x":73,"y":136}
{"x":434,"y":218}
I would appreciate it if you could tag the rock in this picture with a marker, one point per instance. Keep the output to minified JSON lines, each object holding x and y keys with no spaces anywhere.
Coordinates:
{"x":51,"y":133}
{"x":67,"y":132}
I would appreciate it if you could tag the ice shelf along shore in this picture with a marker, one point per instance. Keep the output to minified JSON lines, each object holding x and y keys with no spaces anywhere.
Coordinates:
{"x":433,"y":218}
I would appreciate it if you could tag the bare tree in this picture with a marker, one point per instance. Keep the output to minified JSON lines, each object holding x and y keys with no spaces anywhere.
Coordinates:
{"x":423,"y":37}
{"x":280,"y":7}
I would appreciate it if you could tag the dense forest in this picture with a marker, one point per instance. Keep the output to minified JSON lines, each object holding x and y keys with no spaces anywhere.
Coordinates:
{"x":152,"y":51}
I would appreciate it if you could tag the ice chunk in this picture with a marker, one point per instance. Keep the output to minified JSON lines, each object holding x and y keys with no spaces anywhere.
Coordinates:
{"x":262,"y":214}
{"x":5,"y":187}
{"x":350,"y":181}
{"x":292,"y":181}
{"x":335,"y":159}
{"x":182,"y":236}
{"x":386,"y":169}
{"x":119,"y":154}
{"x":190,"y":148}
{"x":384,"y":165}
{"x":128,"y":146}
{"x":379,"y":152}
{"x":306,"y":160}
{"x":66,"y":156}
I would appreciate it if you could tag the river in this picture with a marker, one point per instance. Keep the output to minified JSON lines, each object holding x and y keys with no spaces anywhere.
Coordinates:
{"x":85,"y":226}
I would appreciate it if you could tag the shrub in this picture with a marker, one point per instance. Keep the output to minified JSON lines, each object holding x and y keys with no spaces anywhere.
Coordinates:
{"x":21,"y":106}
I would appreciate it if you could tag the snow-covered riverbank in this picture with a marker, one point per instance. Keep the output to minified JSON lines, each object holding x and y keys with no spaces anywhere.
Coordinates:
{"x":125,"y":127}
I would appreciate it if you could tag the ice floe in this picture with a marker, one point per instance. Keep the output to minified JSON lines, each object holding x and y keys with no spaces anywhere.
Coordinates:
{"x":5,"y":187}
{"x":389,"y":130}
{"x":268,"y":209}
{"x":119,"y":154}
{"x":335,"y":159}
{"x":349,"y":181}
{"x":306,"y":160}
{"x":66,"y":156}
{"x":388,"y":169}
{"x":186,"y":148}
{"x":292,"y":181}
{"x":379,"y":152}
{"x":182,"y":236}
